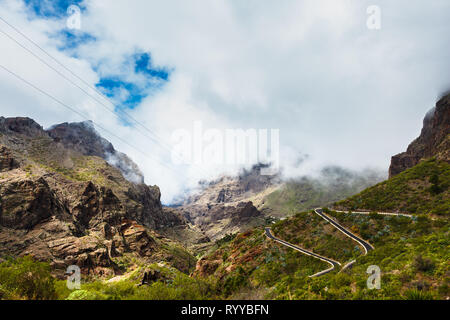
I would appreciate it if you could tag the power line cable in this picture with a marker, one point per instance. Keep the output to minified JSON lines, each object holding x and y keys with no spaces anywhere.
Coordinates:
{"x":158,"y":139}
{"x":62,"y":75}
{"x":84,"y":117}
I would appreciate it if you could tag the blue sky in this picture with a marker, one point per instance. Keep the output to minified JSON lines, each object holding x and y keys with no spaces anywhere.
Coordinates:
{"x":52,"y":8}
{"x":72,"y":39}
{"x":334,"y":88}
{"x":135,"y":92}
{"x":127,"y":94}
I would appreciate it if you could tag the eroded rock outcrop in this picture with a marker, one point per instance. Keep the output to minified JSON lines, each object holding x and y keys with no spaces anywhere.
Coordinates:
{"x":230,"y":204}
{"x":206,"y":267}
{"x":27,"y":202}
{"x":7,"y":161}
{"x":21,"y":125}
{"x":218,"y":220}
{"x":434,"y":139}
{"x":60,"y":201}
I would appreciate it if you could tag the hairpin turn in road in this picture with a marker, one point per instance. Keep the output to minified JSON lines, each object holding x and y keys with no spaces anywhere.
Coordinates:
{"x":334,"y":264}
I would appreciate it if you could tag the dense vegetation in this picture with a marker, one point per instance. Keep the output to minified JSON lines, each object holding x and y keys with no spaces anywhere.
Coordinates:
{"x":413,"y":255}
{"x":248,"y":266}
{"x":423,"y":189}
{"x":25,"y":278}
{"x":312,"y":232}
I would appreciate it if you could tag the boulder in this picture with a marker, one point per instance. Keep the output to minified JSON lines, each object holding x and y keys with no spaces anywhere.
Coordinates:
{"x":7,"y":162}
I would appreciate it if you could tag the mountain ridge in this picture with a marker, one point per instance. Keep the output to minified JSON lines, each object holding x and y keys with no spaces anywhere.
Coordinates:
{"x":411,"y":251}
{"x":60,"y":201}
{"x":434,"y":139}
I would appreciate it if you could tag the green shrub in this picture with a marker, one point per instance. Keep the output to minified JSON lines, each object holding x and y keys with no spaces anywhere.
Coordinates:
{"x":414,"y":294}
{"x":435,"y":187}
{"x":235,"y":282}
{"x":423,"y":264}
{"x":27,"y":278}
{"x":4,"y":294}
{"x":227,"y":238}
{"x":62,"y":292}
{"x":181,"y":287}
{"x":85,"y":295}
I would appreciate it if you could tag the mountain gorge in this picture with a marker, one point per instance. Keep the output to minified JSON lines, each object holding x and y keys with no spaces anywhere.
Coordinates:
{"x":67,"y":197}
{"x":410,"y":249}
{"x":229,"y":204}
{"x":62,"y":201}
{"x":234,"y":204}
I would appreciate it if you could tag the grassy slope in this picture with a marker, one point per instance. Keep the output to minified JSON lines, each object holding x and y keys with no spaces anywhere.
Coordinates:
{"x":413,"y":256}
{"x":311,"y":232}
{"x":251,"y":265}
{"x":72,"y":165}
{"x":411,"y":191}
{"x":25,"y":278}
{"x":308,"y":193}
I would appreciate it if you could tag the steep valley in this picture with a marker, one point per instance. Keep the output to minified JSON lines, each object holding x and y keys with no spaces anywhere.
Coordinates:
{"x":62,"y":202}
{"x":67,"y":197}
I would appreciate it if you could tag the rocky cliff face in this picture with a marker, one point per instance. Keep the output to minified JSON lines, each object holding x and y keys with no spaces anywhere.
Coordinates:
{"x":7,"y":162}
{"x":234,"y":189}
{"x":434,"y":140}
{"x":229,"y":204}
{"x":60,"y":200}
{"x":217,"y":220}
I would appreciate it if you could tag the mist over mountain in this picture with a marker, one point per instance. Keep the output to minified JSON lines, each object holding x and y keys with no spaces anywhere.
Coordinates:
{"x":83,"y":137}
{"x":224,"y":150}
{"x":61,"y":201}
{"x":433,"y":139}
{"x":331,"y":184}
{"x":405,"y":218}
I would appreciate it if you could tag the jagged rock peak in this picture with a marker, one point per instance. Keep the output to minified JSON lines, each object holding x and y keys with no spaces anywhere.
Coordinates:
{"x":21,"y":125}
{"x":79,"y":136}
{"x":83,"y":137}
{"x":434,"y":139}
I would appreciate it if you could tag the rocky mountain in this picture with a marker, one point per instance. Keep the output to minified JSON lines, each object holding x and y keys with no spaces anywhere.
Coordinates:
{"x":63,"y":200}
{"x":217,"y":208}
{"x":83,"y":138}
{"x":434,"y":139}
{"x":410,"y":250}
{"x":233,"y":189}
{"x":420,"y":177}
{"x":229,"y":204}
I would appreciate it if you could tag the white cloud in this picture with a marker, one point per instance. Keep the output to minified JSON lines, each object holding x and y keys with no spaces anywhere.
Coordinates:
{"x":339,"y":92}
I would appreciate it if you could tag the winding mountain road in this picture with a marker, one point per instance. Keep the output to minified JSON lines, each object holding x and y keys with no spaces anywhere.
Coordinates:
{"x":367,"y":246}
{"x":394,"y":214}
{"x":334,"y":264}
